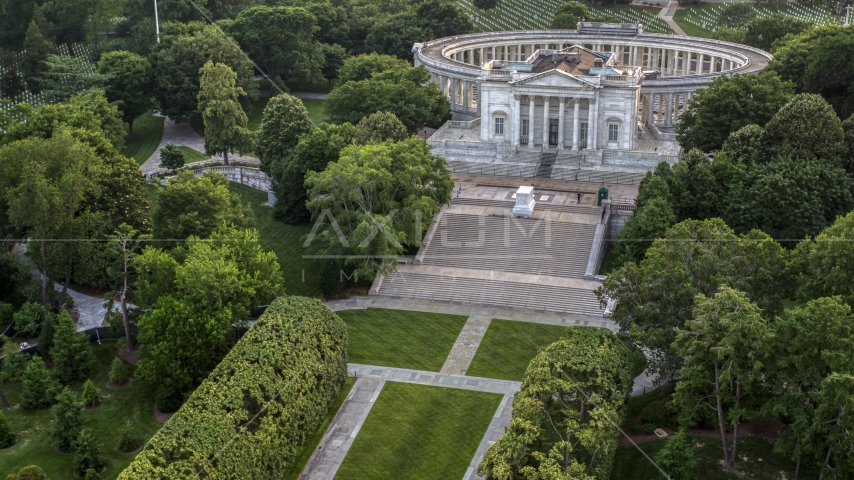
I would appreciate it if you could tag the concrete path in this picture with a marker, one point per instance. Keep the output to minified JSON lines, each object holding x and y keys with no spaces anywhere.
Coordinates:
{"x":437,"y":379}
{"x":309,"y":95}
{"x":332,"y":449}
{"x":182,"y":134}
{"x":416,"y":305}
{"x":666,"y":14}
{"x":464,"y":348}
{"x":499,"y":423}
{"x":644,"y":383}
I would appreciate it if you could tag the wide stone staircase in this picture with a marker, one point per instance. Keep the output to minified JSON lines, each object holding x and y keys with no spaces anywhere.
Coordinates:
{"x":481,"y":257}
{"x":547,"y":161}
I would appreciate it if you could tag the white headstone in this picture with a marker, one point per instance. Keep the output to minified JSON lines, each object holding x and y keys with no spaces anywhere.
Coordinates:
{"x":524,"y":201}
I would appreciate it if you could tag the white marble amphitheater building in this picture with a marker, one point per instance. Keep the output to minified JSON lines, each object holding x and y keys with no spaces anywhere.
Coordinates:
{"x":544,"y":123}
{"x":605,"y":94}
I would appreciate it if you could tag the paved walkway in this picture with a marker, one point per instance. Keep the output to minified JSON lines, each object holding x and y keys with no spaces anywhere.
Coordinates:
{"x":182,"y":134}
{"x":332,"y":449}
{"x":309,"y":95}
{"x":464,"y":348}
{"x":666,"y":14}
{"x":416,"y":305}
{"x":499,"y":423}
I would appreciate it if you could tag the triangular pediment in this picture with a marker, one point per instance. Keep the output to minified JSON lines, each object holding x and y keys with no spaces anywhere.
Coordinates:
{"x":554,"y":78}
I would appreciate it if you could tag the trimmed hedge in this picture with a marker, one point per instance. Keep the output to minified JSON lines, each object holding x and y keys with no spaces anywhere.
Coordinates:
{"x":294,"y":362}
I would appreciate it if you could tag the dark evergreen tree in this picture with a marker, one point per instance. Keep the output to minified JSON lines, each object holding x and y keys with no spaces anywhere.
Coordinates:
{"x":40,"y":387}
{"x":67,"y":420}
{"x":70,"y":351}
{"x":88,"y":456}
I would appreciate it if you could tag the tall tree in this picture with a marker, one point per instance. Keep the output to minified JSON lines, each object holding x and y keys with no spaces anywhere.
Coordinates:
{"x":15,"y":17}
{"x":225,"y":120}
{"x":822,"y":265}
{"x":177,"y":62}
{"x":648,"y":223}
{"x":813,"y":341}
{"x":39,"y":387}
{"x":191,"y":325}
{"x":103,"y":16}
{"x":790,"y":199}
{"x":729,"y":103}
{"x":191,"y":205}
{"x":313,"y":152}
{"x":285,"y":119}
{"x":723,"y":348}
{"x":127,"y":243}
{"x":45,"y":182}
{"x":282,"y":38}
{"x":407,"y":93}
{"x":834,"y":424}
{"x":657,"y":296}
{"x":128,"y":81}
{"x":805,"y":128}
{"x":363,"y":67}
{"x":379,"y":195}
{"x":333,"y":59}
{"x":37,"y":48}
{"x":568,"y":15}
{"x":88,"y":456}
{"x":763,"y":32}
{"x":67,"y":420}
{"x":70,"y":352}
{"x":379,"y":127}
{"x":68,"y":18}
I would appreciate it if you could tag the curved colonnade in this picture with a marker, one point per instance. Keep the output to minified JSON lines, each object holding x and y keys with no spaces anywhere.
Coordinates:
{"x":684,"y":65}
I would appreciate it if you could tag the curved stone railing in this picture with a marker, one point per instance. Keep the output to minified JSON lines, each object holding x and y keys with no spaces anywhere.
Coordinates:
{"x":249,"y":176}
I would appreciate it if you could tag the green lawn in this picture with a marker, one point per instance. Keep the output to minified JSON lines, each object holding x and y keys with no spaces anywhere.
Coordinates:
{"x":33,"y":441}
{"x":302,"y":276}
{"x":316,"y":110}
{"x":147,"y":133}
{"x":758,"y":461}
{"x":191,"y":155}
{"x":398,"y":338}
{"x":311,"y":445}
{"x":509,"y":346}
{"x":256,"y":112}
{"x":419,"y":432}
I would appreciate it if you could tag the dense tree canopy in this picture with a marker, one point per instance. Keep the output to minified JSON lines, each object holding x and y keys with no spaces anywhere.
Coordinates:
{"x":379,"y":127}
{"x":764,"y":31}
{"x":363,"y":67}
{"x":281,"y":39}
{"x":805,"y":128}
{"x":196,"y":302}
{"x":728,"y":104}
{"x":426,"y":20}
{"x":191,"y":205}
{"x":380,"y":195}
{"x":178,"y":59}
{"x":314,"y":151}
{"x":819,"y":61}
{"x":407,"y":93}
{"x":128,"y":82}
{"x":823,"y":265}
{"x":656,"y":297}
{"x":285,"y":120}
{"x":723,"y":346}
{"x":568,"y":15}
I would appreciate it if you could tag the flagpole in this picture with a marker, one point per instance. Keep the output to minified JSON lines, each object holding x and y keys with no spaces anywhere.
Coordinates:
{"x":156,"y":21}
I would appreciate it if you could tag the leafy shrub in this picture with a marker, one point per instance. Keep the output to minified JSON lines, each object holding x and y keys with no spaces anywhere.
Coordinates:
{"x":39,"y":386}
{"x":128,"y":441}
{"x":292,"y":363}
{"x":119,"y":370}
{"x":171,"y":157}
{"x":29,"y":319}
{"x":33,"y":472}
{"x":91,"y":474}
{"x":7,"y":313}
{"x":7,"y":435}
{"x":88,"y":456}
{"x":90,"y":396}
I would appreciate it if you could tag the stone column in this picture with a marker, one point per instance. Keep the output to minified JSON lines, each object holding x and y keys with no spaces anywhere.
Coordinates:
{"x":575,"y":119}
{"x":649,"y":105}
{"x":595,"y":119}
{"x":531,"y":105}
{"x":560,"y":122}
{"x":701,"y":60}
{"x":545,"y":122}
{"x":589,"y":123}
{"x":466,"y":96}
{"x":713,"y":64}
{"x":517,"y":119}
{"x":668,"y":111}
{"x":686,"y":63}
